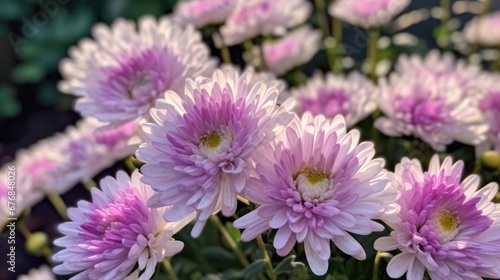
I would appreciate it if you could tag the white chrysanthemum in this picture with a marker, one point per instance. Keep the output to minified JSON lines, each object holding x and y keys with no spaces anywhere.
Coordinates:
{"x":353,"y":97}
{"x":120,"y":74}
{"x":203,"y":12}
{"x":293,"y":50}
{"x":367,"y":13}
{"x":263,"y":17}
{"x":484,"y":30}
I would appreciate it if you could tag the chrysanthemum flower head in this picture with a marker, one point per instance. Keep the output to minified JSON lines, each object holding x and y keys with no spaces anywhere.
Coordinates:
{"x":353,"y":97}
{"x":433,"y":103}
{"x":444,"y":226}
{"x":203,"y":12}
{"x":263,"y":17}
{"x":484,"y":30}
{"x":107,"y":237}
{"x":316,"y":184}
{"x":292,"y":50}
{"x":86,"y":149}
{"x":198,"y":151}
{"x":120,"y":74}
{"x":440,"y":66}
{"x":367,"y":13}
{"x":489,"y":104}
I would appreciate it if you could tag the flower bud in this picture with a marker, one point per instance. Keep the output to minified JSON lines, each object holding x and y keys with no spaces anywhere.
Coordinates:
{"x":36,"y":243}
{"x":491,"y":159}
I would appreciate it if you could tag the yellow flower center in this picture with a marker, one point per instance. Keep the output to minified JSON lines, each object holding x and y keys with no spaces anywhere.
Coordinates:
{"x":212,"y":141}
{"x":312,"y":184}
{"x":314,"y":177}
{"x":447,"y":221}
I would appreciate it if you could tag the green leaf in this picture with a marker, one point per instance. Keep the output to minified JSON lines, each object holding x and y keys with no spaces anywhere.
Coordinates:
{"x":28,"y":73}
{"x":254,"y":269}
{"x":219,"y":257}
{"x":286,"y":265}
{"x":234,"y":232}
{"x":9,"y":105}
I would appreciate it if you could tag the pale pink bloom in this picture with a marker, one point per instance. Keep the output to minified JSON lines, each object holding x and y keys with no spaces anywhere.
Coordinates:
{"x":263,"y":17}
{"x":441,"y":66}
{"x":57,"y":163}
{"x":433,"y":102}
{"x":198,"y":152}
{"x":122,"y":72}
{"x":445,"y":227}
{"x":82,"y":151}
{"x":353,"y":96}
{"x":108,"y":237}
{"x":367,"y":13}
{"x":42,"y":273}
{"x":293,"y":50}
{"x":489,"y":104}
{"x":317,"y":184}
{"x":484,"y":30}
{"x":203,"y":12}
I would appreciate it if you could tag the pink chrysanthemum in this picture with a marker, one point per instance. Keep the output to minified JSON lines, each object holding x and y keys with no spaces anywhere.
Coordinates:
{"x":441,"y":66}
{"x":198,"y":153}
{"x":109,"y":236}
{"x":203,"y":12}
{"x":57,"y":163}
{"x":367,"y":13}
{"x":484,"y":30}
{"x":353,"y":97}
{"x":316,"y":184}
{"x":445,"y":227}
{"x":263,"y":17}
{"x":291,"y":51}
{"x":432,"y":102}
{"x":489,"y":104}
{"x":120,"y":75}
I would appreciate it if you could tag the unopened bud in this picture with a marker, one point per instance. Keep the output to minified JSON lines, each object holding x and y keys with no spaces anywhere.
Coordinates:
{"x":491,"y":159}
{"x":36,"y":243}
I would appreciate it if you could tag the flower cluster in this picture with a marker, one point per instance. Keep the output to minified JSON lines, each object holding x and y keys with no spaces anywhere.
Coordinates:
{"x":201,"y":139}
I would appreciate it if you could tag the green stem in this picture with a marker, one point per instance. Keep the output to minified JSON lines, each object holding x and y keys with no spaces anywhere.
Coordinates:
{"x":225,"y":234}
{"x":89,"y":184}
{"x":323,"y":21}
{"x":373,"y":35}
{"x":337,"y":34}
{"x":267,"y":259}
{"x":376,"y":264}
{"x":169,"y":269}
{"x":59,"y":205}
{"x":226,"y":56}
{"x":445,"y":20}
